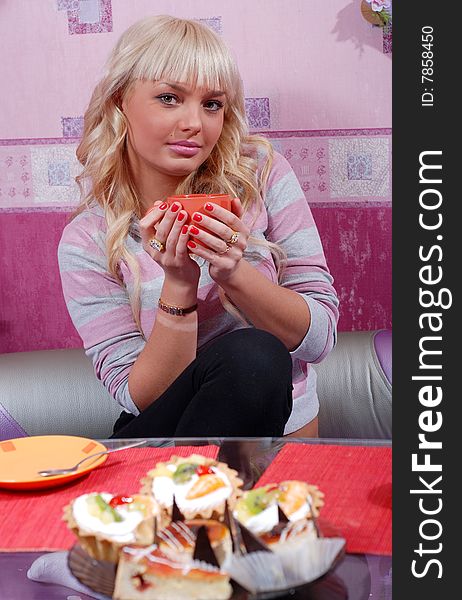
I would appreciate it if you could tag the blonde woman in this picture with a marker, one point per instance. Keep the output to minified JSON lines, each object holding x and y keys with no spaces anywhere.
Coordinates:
{"x":193,"y":339}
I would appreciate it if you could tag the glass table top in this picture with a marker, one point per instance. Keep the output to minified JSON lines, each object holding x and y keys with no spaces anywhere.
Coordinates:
{"x":248,"y":456}
{"x":356,"y":576}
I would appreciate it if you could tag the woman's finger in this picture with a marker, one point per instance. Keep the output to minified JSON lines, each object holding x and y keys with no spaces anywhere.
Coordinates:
{"x":175,"y":231}
{"x":181,"y":246}
{"x":163,"y":229}
{"x":225,"y":216}
{"x":151,"y":218}
{"x":201,"y":251}
{"x":222,"y":231}
{"x":215,"y":243}
{"x":236,"y":207}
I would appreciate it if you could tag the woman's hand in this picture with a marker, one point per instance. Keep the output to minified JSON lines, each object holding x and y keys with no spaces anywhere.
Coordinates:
{"x":225,"y":236}
{"x":166,"y":225}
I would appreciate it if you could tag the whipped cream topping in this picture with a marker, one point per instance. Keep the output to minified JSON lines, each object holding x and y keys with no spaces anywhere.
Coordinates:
{"x":264,"y":520}
{"x":163,"y":489}
{"x":268,"y":518}
{"x":122,"y":531}
{"x":302,"y":512}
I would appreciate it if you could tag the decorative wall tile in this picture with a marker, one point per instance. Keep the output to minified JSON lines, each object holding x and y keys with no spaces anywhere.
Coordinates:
{"x":89,"y":11}
{"x":90,"y":16}
{"x":16,"y":186}
{"x":387,"y":39}
{"x":53,"y":170}
{"x":359,"y":166}
{"x":67,"y":4}
{"x":212,"y":22}
{"x":377,"y":183}
{"x":309,"y":159}
{"x":59,"y":173}
{"x":258,"y":113}
{"x":72,"y":126}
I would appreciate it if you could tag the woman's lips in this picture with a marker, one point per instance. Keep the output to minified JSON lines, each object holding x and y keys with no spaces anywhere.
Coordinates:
{"x":184,"y":150}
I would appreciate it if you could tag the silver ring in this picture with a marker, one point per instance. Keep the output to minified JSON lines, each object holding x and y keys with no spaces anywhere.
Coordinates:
{"x":233,"y":239}
{"x":157,"y":245}
{"x":224,"y":251}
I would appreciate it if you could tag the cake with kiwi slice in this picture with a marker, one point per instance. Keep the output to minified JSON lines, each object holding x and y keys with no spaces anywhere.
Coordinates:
{"x":280,"y":513}
{"x":105,"y":522}
{"x":200,"y":486}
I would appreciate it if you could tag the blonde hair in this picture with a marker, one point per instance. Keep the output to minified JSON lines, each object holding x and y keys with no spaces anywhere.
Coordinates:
{"x":181,"y":50}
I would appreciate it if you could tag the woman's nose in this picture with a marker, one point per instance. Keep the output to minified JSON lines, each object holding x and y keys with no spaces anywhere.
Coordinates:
{"x":190,"y":119}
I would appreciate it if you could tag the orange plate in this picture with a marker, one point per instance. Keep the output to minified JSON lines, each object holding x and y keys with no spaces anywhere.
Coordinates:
{"x":22,"y":458}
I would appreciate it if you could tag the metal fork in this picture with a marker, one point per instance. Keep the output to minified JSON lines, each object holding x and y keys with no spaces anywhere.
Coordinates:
{"x":51,"y":472}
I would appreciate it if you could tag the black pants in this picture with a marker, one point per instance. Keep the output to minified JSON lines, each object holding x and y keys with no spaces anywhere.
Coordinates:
{"x":239,"y":385}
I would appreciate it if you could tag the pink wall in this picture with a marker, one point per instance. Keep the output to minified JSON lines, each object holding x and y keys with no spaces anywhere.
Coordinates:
{"x":357,"y":243}
{"x":317,"y":81}
{"x":318,"y":61}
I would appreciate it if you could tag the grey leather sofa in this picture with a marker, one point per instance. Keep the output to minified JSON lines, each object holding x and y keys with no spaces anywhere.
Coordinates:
{"x":56,"y":392}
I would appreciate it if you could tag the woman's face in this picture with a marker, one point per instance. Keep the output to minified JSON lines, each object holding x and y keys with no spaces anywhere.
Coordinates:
{"x":172,"y":127}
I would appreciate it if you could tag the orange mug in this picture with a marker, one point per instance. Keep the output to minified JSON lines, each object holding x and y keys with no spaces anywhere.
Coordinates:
{"x":192,"y":203}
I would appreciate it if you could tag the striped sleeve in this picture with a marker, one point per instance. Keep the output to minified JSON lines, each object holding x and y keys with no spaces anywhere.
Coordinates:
{"x":99,"y":306}
{"x":291,"y":224}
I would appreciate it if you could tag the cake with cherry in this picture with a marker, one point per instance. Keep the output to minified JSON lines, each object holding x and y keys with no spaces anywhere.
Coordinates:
{"x":105,"y":522}
{"x":200,"y":487}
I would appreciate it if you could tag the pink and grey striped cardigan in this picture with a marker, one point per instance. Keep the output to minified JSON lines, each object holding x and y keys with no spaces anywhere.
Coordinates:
{"x":100,"y":309}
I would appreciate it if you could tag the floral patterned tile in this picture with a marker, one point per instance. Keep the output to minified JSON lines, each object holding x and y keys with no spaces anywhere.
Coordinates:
{"x":258,"y":113}
{"x":309,"y":159}
{"x":59,"y":173}
{"x":214,"y":23}
{"x":72,"y":126}
{"x":67,"y":4}
{"x":388,"y":39}
{"x":90,"y":16}
{"x":359,"y":167}
{"x":16,"y":185}
{"x":54,"y":169}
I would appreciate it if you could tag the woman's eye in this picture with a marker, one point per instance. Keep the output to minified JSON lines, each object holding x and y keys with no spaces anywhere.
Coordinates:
{"x":213,"y":105}
{"x":167,"y":98}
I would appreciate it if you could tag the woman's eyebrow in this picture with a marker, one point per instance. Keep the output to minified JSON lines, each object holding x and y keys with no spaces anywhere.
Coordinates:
{"x":180,"y":88}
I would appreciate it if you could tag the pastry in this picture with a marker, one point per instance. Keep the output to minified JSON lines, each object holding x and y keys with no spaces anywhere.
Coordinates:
{"x":200,"y":486}
{"x":280,"y":513}
{"x":151,"y":574}
{"x":104,"y":522}
{"x":178,"y":539}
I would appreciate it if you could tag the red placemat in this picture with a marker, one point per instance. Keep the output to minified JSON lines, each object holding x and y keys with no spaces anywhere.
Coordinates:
{"x":356,"y":481}
{"x":32,"y":521}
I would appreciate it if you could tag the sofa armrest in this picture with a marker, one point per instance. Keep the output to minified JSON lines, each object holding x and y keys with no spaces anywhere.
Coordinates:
{"x":56,"y":392}
{"x":354,"y":387}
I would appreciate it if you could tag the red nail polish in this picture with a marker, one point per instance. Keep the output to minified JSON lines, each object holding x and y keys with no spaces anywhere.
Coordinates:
{"x":208,"y":206}
{"x":194,"y":230}
{"x":191,"y":244}
{"x":163,"y":206}
{"x":184,"y":229}
{"x":197,"y":217}
{"x":174,"y":207}
{"x":180,"y":216}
